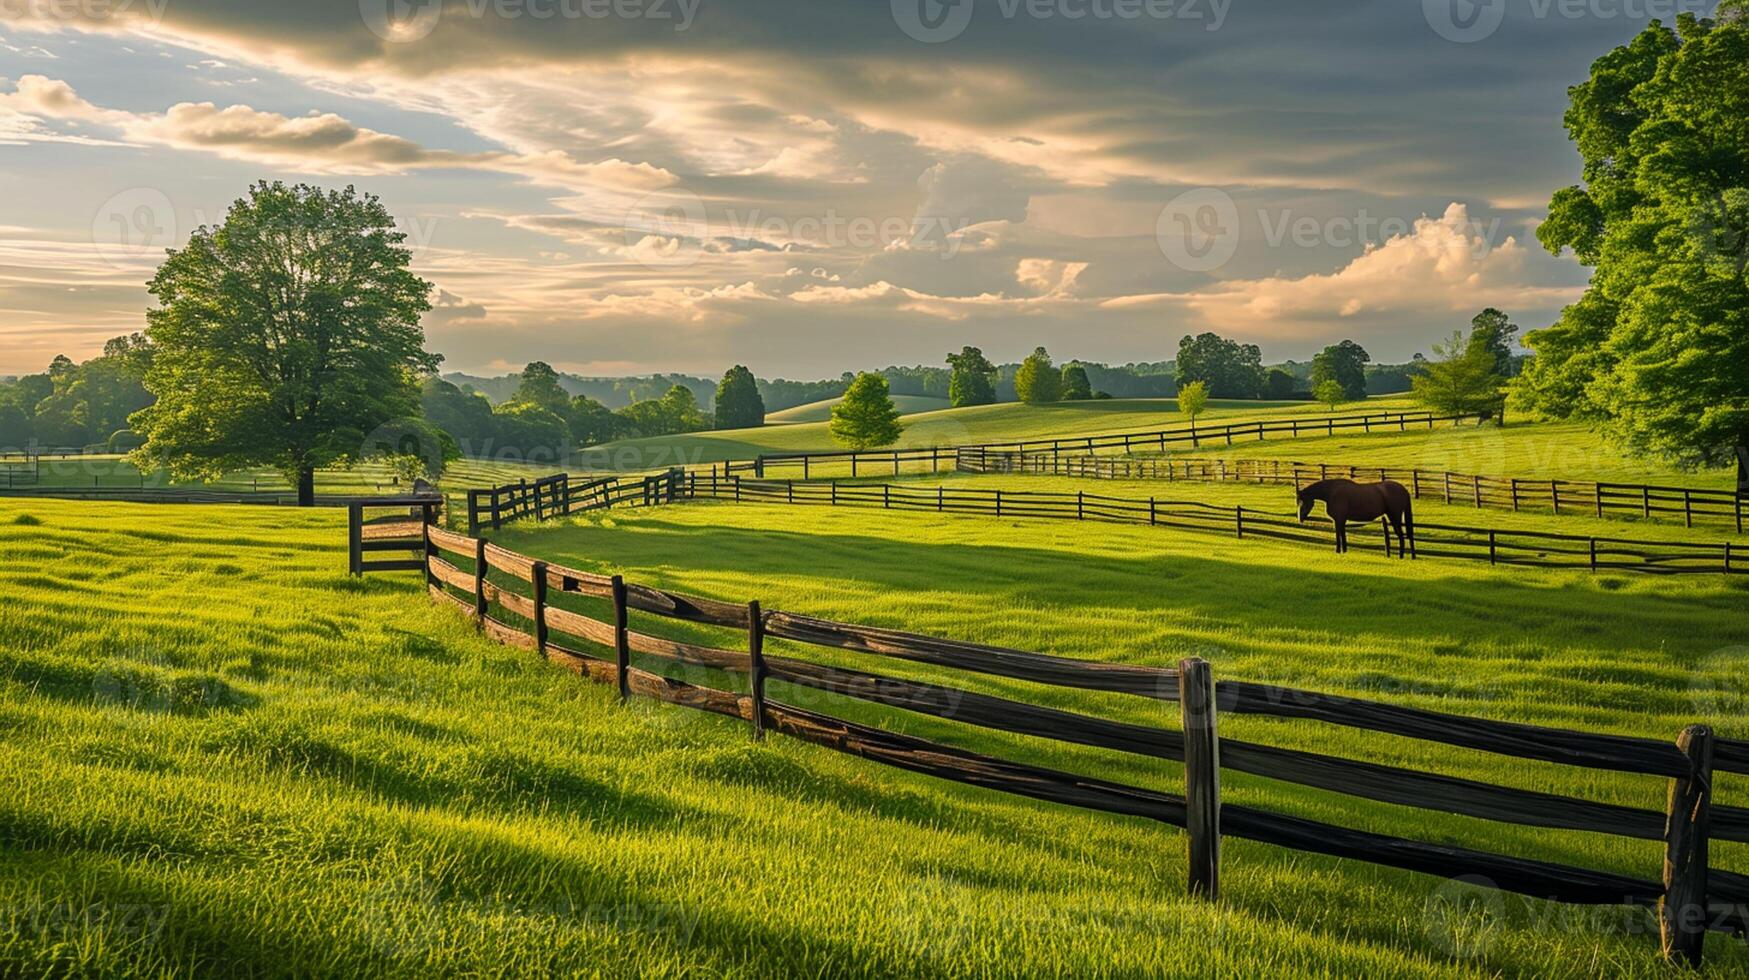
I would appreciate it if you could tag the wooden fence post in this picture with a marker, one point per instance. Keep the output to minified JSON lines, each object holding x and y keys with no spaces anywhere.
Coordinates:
{"x":757,"y":674}
{"x":622,"y":646}
{"x":1515,"y":495}
{"x":1239,"y":519}
{"x":1151,"y":518}
{"x":480,"y":603}
{"x":1202,"y":775}
{"x":540,"y":607}
{"x":998,"y":503}
{"x":355,"y":538}
{"x":1491,"y":547}
{"x":1682,"y":912}
{"x":1080,"y":505}
{"x":1687,"y":509}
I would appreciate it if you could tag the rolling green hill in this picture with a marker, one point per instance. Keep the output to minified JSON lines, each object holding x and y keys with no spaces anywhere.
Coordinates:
{"x":821,"y":411}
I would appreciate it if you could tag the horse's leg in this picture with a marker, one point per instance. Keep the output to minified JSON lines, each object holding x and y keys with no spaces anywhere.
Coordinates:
{"x":1409,"y":521}
{"x":1394,"y":522}
{"x":1341,"y":535}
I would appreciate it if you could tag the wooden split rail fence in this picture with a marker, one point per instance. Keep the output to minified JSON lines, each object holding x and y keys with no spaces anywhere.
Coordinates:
{"x":881,"y":461}
{"x":1688,"y":504}
{"x":558,"y":496}
{"x":1493,"y":545}
{"x":583,"y":620}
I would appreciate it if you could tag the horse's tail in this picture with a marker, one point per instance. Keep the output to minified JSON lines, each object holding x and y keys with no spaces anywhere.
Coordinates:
{"x":1409,"y":522}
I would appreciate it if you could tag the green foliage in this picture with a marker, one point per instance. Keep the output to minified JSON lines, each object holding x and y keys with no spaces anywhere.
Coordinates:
{"x":125,"y":441}
{"x":1038,"y":382}
{"x":413,"y":449}
{"x":283,"y":336}
{"x":1330,"y":392}
{"x":593,"y":423}
{"x":465,"y":415}
{"x":530,"y":432}
{"x":1657,"y":351}
{"x":540,"y":387}
{"x":738,"y":405}
{"x":1229,"y":369}
{"x":1463,"y":380}
{"x":673,"y":413}
{"x":973,"y":381}
{"x":1344,"y":363}
{"x":866,"y":418}
{"x":75,"y":405}
{"x":1075,"y":386}
{"x":1494,"y":330}
{"x":1279,"y":385}
{"x":1193,"y":400}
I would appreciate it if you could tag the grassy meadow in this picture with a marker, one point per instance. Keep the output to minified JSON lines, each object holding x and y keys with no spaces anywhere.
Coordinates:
{"x":821,"y":411}
{"x":222,"y":755}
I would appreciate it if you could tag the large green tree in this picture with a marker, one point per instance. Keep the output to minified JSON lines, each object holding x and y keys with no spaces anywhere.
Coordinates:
{"x":1229,"y":369}
{"x":284,"y":337}
{"x":1038,"y":382}
{"x":1463,"y":380}
{"x":1076,"y":387}
{"x":865,"y":418}
{"x":738,"y":405}
{"x":540,"y":387}
{"x":973,"y":378}
{"x":1344,"y":363}
{"x":1656,"y":353}
{"x":1494,"y":330}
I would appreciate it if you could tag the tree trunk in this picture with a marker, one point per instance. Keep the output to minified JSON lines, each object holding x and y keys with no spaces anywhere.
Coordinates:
{"x":307,"y":486}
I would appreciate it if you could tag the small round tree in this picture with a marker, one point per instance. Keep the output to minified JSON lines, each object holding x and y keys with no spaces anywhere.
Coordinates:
{"x":866,"y":418}
{"x":1330,"y":392}
{"x":1038,"y":382}
{"x":1076,"y":387}
{"x":738,"y":403}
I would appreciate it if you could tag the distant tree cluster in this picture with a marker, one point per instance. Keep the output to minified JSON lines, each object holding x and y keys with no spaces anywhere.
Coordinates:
{"x":1469,"y":376}
{"x":79,"y":406}
{"x":1227,"y":368}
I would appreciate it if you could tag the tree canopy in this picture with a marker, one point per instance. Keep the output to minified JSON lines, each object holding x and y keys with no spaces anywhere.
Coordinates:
{"x":1464,"y":379}
{"x":283,"y":337}
{"x":1038,"y":382}
{"x":866,"y":417}
{"x":1075,"y":386}
{"x":973,"y":378}
{"x":1656,"y":353}
{"x":1344,"y":363}
{"x":1193,"y":400}
{"x":738,"y":405}
{"x":1229,"y":369}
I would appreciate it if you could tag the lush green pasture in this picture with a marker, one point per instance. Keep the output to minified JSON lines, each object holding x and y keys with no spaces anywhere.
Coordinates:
{"x":1528,"y":450}
{"x":821,"y":411}
{"x":115,"y":472}
{"x":224,"y":756}
{"x":951,"y":427}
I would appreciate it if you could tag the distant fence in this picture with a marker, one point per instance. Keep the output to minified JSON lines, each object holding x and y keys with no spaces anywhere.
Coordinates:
{"x":1691,"y":504}
{"x":150,"y":495}
{"x":1493,"y":545}
{"x":534,"y":605}
{"x":892,"y":460}
{"x":558,"y":496}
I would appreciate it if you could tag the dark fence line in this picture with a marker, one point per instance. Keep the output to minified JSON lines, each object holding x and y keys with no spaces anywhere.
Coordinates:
{"x":882,"y":460}
{"x":514,"y":599}
{"x":558,"y":496}
{"x":1690,"y":504}
{"x":1493,"y":545}
{"x":288,"y":498}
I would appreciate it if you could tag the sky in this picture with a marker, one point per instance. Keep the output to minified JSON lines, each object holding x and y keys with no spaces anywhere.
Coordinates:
{"x":814,"y":186}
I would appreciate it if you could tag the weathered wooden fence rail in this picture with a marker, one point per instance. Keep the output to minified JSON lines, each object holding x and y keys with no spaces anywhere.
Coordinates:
{"x":880,"y":461}
{"x":1493,"y":545}
{"x":558,"y":496}
{"x":1687,"y":504}
{"x":539,"y":606}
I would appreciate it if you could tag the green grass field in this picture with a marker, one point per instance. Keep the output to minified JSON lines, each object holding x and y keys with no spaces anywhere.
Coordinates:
{"x":222,"y":755}
{"x":821,"y":411}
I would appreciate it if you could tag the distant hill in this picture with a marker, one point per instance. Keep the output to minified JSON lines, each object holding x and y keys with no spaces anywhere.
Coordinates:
{"x":821,"y":411}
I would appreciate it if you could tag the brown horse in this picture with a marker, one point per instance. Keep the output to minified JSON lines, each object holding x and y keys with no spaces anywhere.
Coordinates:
{"x":1345,"y":501}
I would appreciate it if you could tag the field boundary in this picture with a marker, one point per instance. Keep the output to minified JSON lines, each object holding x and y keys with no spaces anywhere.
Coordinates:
{"x":516,"y":600}
{"x":1542,"y":549}
{"x":935,"y":456}
{"x":1500,"y":493}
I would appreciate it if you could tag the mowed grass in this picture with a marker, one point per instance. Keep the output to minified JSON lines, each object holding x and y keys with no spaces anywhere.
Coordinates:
{"x":116,"y":473}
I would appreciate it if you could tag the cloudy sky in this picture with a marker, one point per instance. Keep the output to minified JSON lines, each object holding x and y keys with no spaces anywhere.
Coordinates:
{"x":811,"y":186}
